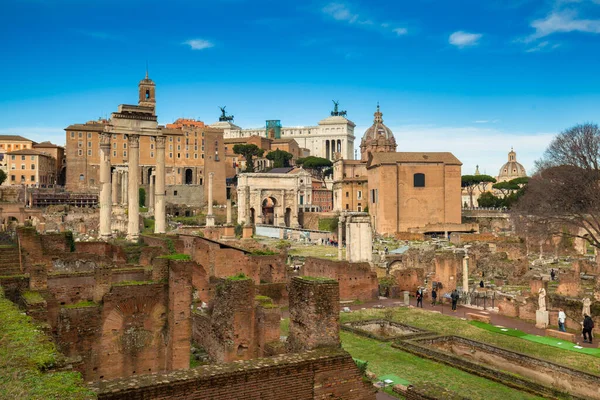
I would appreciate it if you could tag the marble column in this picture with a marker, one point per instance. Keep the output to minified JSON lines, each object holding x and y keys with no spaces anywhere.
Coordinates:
{"x":228,"y":211}
{"x":105,"y":187}
{"x":465,"y":275}
{"x":160,"y":214}
{"x":341,"y":223}
{"x":133,"y":165}
{"x":151,"y":192}
{"x":115,"y":187}
{"x":124,"y":187}
{"x":210,"y":218}
{"x":283,"y":213}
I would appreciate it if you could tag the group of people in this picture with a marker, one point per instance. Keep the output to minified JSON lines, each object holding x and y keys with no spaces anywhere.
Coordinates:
{"x":587,"y":325}
{"x":329,"y":242}
{"x":454,"y":296}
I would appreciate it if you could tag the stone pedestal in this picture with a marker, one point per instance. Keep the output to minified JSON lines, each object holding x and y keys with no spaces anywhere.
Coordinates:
{"x":133,"y":225}
{"x":542,"y":319}
{"x":247,"y":232}
{"x":406,"y":298}
{"x":228,"y":211}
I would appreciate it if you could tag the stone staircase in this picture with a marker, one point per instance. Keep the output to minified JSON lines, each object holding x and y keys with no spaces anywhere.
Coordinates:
{"x":9,"y":261}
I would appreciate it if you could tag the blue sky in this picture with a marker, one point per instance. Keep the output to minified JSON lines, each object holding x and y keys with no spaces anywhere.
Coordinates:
{"x":472,"y":77}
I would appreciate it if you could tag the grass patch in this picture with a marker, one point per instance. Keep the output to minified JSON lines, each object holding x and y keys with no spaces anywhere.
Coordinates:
{"x":239,"y":277}
{"x":326,"y":252}
{"x":32,"y":297}
{"x":263,"y":253}
{"x":190,"y":221}
{"x":447,"y":325}
{"x":328,"y":224}
{"x":82,"y":304}
{"x":317,"y":279}
{"x":177,"y":256}
{"x":385,"y":360}
{"x":25,"y":353}
{"x":284,"y":327}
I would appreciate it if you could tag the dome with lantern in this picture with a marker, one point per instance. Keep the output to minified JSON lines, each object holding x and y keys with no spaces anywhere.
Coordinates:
{"x":378,"y":138}
{"x":512,"y":169}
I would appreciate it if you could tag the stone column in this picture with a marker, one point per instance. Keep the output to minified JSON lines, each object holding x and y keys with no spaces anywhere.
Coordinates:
{"x":133,"y":226}
{"x":115,"y":187}
{"x":105,"y":187}
{"x":210,"y":218}
{"x":466,"y":278}
{"x":125,"y":187}
{"x":160,"y":214}
{"x":151,"y":190}
{"x":283,"y":213}
{"x":228,"y":211}
{"x":341,"y":223}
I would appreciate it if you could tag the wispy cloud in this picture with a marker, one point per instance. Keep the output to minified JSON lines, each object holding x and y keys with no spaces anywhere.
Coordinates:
{"x":343,"y":13}
{"x":486,"y":121}
{"x":462,"y":39}
{"x":562,"y":21}
{"x":199,"y":44}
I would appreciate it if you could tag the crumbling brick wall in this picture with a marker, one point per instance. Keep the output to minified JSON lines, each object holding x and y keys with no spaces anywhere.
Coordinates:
{"x":356,"y":280}
{"x":314,"y":314}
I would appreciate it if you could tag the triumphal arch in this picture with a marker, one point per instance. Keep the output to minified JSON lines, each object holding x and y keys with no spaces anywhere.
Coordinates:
{"x":273,"y":198}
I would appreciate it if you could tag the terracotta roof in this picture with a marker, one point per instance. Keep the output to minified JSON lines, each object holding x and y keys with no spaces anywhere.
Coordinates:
{"x":413,"y":157}
{"x":14,"y":138}
{"x":28,"y":152}
{"x":94,"y":127}
{"x":45,"y":145}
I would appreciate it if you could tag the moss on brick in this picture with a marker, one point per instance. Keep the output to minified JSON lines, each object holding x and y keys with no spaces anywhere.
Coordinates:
{"x":318,"y":279}
{"x":82,"y":304}
{"x":32,"y":297}
{"x":177,"y":256}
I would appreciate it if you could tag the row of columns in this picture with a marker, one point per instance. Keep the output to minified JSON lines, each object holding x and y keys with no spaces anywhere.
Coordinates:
{"x":119,"y":187}
{"x":130,"y":187}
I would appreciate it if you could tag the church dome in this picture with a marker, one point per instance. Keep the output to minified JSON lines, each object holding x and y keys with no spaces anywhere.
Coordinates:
{"x":378,"y":138}
{"x":512,"y":169}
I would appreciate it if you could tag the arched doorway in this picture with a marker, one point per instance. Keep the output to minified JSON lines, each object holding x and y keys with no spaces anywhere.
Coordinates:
{"x":149,"y":175}
{"x":189,"y":176}
{"x":287,"y":217}
{"x":252,"y":216}
{"x":268,"y":210}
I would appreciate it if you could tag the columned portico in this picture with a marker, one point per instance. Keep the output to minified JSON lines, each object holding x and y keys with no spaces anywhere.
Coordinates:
{"x":105,"y":187}
{"x":160,"y":222}
{"x":133,"y":227}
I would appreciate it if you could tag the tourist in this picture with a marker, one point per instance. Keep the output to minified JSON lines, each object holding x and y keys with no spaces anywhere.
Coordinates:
{"x":481,"y":283}
{"x":588,"y":325}
{"x":562,"y":318}
{"x":433,"y":296}
{"x":454,"y":296}
{"x":552,"y":274}
{"x":420,"y":297}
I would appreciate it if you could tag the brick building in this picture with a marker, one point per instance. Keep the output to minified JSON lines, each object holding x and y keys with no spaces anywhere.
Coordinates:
{"x":193,"y":150}
{"x":31,"y":168}
{"x":10,"y":143}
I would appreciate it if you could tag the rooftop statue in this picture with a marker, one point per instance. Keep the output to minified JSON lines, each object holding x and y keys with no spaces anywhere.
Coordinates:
{"x":224,"y":116}
{"x":336,"y":112}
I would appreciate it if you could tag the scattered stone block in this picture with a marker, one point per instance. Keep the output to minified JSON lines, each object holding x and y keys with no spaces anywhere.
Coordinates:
{"x":478,"y":317}
{"x":561,"y":335}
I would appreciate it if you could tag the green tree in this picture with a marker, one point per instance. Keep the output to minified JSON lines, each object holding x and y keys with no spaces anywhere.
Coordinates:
{"x":472,"y":182}
{"x":280,"y":158}
{"x":316,"y":165}
{"x":506,"y":188}
{"x":248,"y":151}
{"x":2,"y":177}
{"x":488,"y":199}
{"x":142,"y":201}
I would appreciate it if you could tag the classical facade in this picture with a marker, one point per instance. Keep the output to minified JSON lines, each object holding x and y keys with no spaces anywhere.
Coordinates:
{"x":273,"y":198}
{"x":192,"y":151}
{"x":332,"y":135}
{"x":512,"y":169}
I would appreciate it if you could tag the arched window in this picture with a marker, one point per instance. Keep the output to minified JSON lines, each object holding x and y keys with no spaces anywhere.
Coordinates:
{"x":147,"y":93}
{"x":81,"y":177}
{"x":419,"y":180}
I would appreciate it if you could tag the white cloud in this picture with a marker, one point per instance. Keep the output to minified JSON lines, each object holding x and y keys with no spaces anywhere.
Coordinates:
{"x":343,"y":13}
{"x":563,"y":21}
{"x":463,"y":39}
{"x":199,"y":44}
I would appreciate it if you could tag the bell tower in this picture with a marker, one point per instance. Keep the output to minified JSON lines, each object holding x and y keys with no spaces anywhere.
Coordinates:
{"x":146,"y":89}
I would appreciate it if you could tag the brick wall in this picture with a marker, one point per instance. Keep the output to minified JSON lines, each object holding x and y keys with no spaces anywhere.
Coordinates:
{"x":321,"y":374}
{"x":356,"y":280}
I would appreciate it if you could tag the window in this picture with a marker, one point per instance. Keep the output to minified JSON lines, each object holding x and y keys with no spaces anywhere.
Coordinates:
{"x":72,"y":137}
{"x":80,"y":134}
{"x":196,"y":155}
{"x":373,"y":195}
{"x":124,"y":153}
{"x":22,"y":158}
{"x":170,"y":138}
{"x":32,"y":166}
{"x":32,"y":178}
{"x":14,"y":166}
{"x":114,"y":145}
{"x":89,"y":135}
{"x":202,"y":156}
{"x":187,"y":155}
{"x":178,"y":155}
{"x":171,"y":147}
{"x":170,"y":155}
{"x":152,"y":154}
{"x":178,"y":147}
{"x":80,"y":152}
{"x":175,"y":193}
{"x":347,"y":207}
{"x":152,"y":145}
{"x":89,"y":153}
{"x":359,"y":194}
{"x":419,"y":180}
{"x":347,"y":194}
{"x":81,"y":177}
{"x":178,"y":140}
{"x":114,"y":136}
{"x":359,"y":209}
{"x":114,"y":153}
{"x":13,"y":178}
{"x":13,"y":157}
{"x":89,"y":144}
{"x":32,"y":158}
{"x":22,"y":178}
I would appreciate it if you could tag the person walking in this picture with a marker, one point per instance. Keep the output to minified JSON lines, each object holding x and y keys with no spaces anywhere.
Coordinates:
{"x":419,"y":297}
{"x":433,"y":296}
{"x":562,"y":318}
{"x":454,"y":296}
{"x":552,"y":274}
{"x":588,"y":325}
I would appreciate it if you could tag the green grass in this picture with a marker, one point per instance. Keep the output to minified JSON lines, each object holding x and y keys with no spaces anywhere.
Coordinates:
{"x":263,"y":253}
{"x":550,"y":341}
{"x":177,"y":256}
{"x":317,"y":279}
{"x":82,"y":304}
{"x":32,"y":297}
{"x":25,"y":353}
{"x":447,"y":325}
{"x":385,"y":360}
{"x":326,"y":252}
{"x":328,"y":224}
{"x":134,"y":283}
{"x":239,"y":277}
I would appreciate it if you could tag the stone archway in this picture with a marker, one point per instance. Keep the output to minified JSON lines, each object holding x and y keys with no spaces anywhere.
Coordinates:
{"x":268,"y":210}
{"x":189,"y":176}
